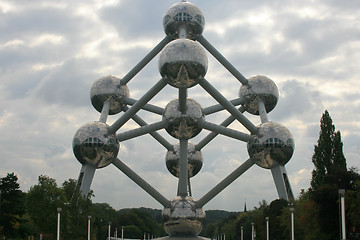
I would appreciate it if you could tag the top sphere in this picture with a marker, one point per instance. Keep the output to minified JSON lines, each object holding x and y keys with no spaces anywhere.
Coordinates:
{"x":108,"y":88}
{"x":259,"y":88}
{"x":184,"y":14}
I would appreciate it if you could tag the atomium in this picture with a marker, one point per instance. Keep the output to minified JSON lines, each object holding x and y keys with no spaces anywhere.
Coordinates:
{"x":183,"y":64}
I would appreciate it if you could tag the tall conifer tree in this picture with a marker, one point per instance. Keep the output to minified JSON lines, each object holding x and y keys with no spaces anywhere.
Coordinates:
{"x":323,"y":151}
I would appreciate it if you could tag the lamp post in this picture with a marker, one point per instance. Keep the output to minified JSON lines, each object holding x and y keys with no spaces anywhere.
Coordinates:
{"x":267,"y":228}
{"x":89,"y":218}
{"x":292,"y":222}
{"x":342,"y":210}
{"x":58,"y":224}
{"x":109,"y":230}
{"x":252,"y":231}
{"x":242,"y":233}
{"x":122,"y":232}
{"x":0,"y":205}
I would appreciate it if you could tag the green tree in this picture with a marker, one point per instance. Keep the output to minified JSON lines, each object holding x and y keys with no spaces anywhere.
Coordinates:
{"x":330,"y":175}
{"x":42,"y":202}
{"x":75,"y":211}
{"x":276,"y":209}
{"x":328,"y":154}
{"x":12,"y":205}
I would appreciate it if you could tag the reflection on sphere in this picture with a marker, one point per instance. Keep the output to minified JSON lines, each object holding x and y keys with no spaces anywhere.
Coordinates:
{"x":183,"y":62}
{"x":271,"y":146}
{"x":195,"y":160}
{"x":184,"y":14}
{"x":108,"y":88}
{"x":93,"y":144}
{"x":259,"y":88}
{"x":183,"y":125}
{"x":183,"y":217}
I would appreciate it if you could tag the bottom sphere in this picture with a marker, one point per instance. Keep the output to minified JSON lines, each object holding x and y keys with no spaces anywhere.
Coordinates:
{"x":183,"y":217}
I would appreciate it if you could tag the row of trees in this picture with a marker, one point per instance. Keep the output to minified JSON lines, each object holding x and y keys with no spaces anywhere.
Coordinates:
{"x":316,"y":209}
{"x":35,"y":212}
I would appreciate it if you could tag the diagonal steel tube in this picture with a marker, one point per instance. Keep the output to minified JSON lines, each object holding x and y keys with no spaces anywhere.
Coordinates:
{"x":219,"y":107}
{"x":138,"y":105}
{"x":222,"y":59}
{"x":141,"y":131}
{"x":227,"y":105}
{"x":224,"y":131}
{"x":226,"y":182}
{"x":145,"y":60}
{"x":147,"y":107}
{"x":141,"y":182}
{"x":212,"y":135}
{"x":155,"y":135}
{"x":262,"y":112}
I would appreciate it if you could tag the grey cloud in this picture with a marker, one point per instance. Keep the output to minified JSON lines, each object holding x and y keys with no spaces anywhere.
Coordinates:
{"x":297,"y":99}
{"x":68,"y":85}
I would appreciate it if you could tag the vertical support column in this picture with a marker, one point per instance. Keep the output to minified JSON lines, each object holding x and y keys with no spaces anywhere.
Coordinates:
{"x":183,"y":171}
{"x":282,"y":182}
{"x":85,"y":178}
{"x":242,"y":233}
{"x":109,"y":230}
{"x":182,"y":99}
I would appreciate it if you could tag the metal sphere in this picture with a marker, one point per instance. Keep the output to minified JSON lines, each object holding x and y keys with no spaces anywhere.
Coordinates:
{"x":271,"y":146}
{"x":108,"y":88}
{"x":183,"y":62}
{"x":182,"y":217}
{"x":183,"y":125}
{"x":93,"y":144}
{"x":195,"y":160}
{"x":184,"y":15}
{"x":260,"y":88}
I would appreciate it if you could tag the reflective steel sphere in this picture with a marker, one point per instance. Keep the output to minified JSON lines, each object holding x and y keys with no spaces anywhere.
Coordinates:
{"x":94,"y":145}
{"x":183,"y":126}
{"x":108,"y":88}
{"x":195,"y":160}
{"x":183,"y":217}
{"x":184,"y":14}
{"x":260,"y":87}
{"x":183,"y":62}
{"x":271,"y":146}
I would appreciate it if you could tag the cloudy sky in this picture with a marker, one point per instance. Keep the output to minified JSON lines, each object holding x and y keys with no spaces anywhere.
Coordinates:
{"x":51,"y":52}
